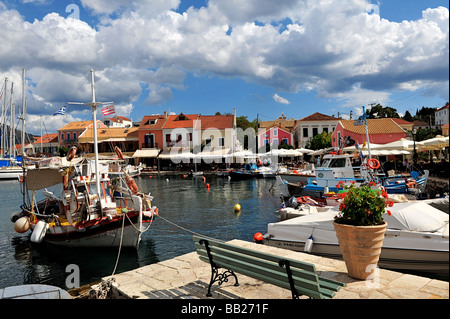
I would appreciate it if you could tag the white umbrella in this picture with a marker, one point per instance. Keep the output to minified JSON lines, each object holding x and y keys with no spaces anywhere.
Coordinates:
{"x":436,"y":143}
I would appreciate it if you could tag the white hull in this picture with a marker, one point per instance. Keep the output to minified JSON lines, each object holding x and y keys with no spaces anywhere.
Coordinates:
{"x":109,"y":238}
{"x":416,"y":238}
{"x":295,"y":178}
{"x":10,"y":173}
{"x":390,"y":258}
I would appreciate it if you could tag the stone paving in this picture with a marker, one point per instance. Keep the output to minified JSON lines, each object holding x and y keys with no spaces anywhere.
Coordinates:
{"x":187,"y":277}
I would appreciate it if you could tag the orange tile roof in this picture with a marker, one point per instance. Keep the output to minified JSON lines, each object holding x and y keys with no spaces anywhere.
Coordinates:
{"x":161,"y":120}
{"x":319,"y":117}
{"x":78,"y":125}
{"x":219,"y":122}
{"x":180,"y":121}
{"x":402,"y":122}
{"x":107,"y":133}
{"x":374,"y":126}
{"x":47,"y":138}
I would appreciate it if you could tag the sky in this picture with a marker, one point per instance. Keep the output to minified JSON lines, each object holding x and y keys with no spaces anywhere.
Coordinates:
{"x":262,"y":57}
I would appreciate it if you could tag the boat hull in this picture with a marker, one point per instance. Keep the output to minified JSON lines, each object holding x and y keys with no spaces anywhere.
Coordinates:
{"x":243,"y":175}
{"x":427,"y":261}
{"x":7,"y":173}
{"x":108,"y":234}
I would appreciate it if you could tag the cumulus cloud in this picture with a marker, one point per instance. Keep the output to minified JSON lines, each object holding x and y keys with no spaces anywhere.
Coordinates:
{"x":145,"y":48}
{"x":280,"y":99}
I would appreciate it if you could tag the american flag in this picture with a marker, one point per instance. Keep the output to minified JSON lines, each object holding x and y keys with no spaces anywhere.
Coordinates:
{"x":61,"y":111}
{"x":108,"y":110}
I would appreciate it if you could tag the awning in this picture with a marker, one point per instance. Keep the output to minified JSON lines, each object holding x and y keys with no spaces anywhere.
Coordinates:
{"x":215,"y":153}
{"x":146,"y":153}
{"x":177,"y":156}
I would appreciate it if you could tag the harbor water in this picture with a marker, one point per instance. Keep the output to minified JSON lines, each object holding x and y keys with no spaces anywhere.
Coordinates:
{"x":186,"y":203}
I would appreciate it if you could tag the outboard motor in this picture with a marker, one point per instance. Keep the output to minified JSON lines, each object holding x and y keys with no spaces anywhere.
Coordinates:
{"x":292,"y":202}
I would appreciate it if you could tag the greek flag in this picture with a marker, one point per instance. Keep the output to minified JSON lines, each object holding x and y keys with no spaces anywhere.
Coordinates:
{"x":61,"y":111}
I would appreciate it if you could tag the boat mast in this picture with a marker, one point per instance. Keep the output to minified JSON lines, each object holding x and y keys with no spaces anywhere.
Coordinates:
{"x":367,"y":131}
{"x":12,"y":129}
{"x":93,"y":106}
{"x":4,"y":139}
{"x":94,"y":120}
{"x":24,"y":107}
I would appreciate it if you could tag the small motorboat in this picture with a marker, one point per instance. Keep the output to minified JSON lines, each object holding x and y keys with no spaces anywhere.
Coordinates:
{"x":34,"y":291}
{"x":416,"y":239}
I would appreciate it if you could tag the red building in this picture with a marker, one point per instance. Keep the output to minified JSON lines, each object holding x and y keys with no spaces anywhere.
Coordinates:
{"x":381,"y":131}
{"x":275,"y":135}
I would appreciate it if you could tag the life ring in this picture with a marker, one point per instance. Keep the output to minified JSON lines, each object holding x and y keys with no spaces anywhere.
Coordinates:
{"x":71,"y":153}
{"x":131,"y":184}
{"x":373,"y":163}
{"x":118,"y":152}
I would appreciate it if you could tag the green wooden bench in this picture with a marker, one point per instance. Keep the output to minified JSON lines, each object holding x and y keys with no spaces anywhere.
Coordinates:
{"x":300,"y":277}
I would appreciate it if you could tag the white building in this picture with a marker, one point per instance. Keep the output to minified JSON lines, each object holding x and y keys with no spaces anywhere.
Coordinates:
{"x":306,"y":128}
{"x":117,"y":121}
{"x":441,"y":116}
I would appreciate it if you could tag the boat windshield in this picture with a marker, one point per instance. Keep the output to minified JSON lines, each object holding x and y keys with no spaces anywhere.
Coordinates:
{"x":334,"y":162}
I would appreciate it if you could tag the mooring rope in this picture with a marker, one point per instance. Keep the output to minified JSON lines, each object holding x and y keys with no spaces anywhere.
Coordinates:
{"x":188,"y":230}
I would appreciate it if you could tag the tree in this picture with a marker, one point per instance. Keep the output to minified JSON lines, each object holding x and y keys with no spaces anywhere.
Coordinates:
{"x":425,"y":114}
{"x":244,"y":123}
{"x":408,"y":117}
{"x":378,"y":112}
{"x":321,"y":141}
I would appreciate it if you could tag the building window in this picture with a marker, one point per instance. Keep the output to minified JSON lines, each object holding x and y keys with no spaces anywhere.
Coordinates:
{"x":315,"y":131}
{"x":275,"y":132}
{"x":266,"y":141}
{"x":285,"y":141}
{"x":62,"y":136}
{"x":167,"y":138}
{"x":275,"y":141}
{"x":208,"y":142}
{"x":305,"y":132}
{"x":325,"y":129}
{"x":221,"y":141}
{"x":75,"y":136}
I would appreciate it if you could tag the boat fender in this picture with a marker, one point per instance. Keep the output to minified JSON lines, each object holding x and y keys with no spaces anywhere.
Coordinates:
{"x":118,"y":152}
{"x":22,"y":225}
{"x":309,"y":244}
{"x":71,"y":153}
{"x":39,"y":232}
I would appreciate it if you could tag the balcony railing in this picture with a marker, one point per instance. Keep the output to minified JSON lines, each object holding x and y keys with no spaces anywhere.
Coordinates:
{"x":179,"y":144}
{"x":149,"y":145}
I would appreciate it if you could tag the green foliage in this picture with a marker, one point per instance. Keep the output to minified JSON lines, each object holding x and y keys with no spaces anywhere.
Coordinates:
{"x":320,"y":141}
{"x":363,"y":206}
{"x":378,"y":112}
{"x":244,"y":123}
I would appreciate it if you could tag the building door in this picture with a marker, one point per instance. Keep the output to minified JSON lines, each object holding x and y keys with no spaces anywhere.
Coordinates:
{"x":149,"y":141}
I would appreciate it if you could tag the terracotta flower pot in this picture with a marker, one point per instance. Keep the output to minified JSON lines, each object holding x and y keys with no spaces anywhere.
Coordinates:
{"x":360,"y":247}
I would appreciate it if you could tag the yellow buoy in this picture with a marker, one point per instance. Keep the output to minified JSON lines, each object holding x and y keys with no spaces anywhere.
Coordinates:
{"x":22,"y":225}
{"x":237,"y":208}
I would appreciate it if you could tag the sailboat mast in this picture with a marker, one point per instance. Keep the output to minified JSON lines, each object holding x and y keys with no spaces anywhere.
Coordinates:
{"x":24,"y":111}
{"x":4,"y":111}
{"x":94,"y":119}
{"x":367,"y":131}
{"x":12,"y":129}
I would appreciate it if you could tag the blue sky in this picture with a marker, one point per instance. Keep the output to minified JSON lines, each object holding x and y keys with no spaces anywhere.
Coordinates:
{"x":263,"y":57}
